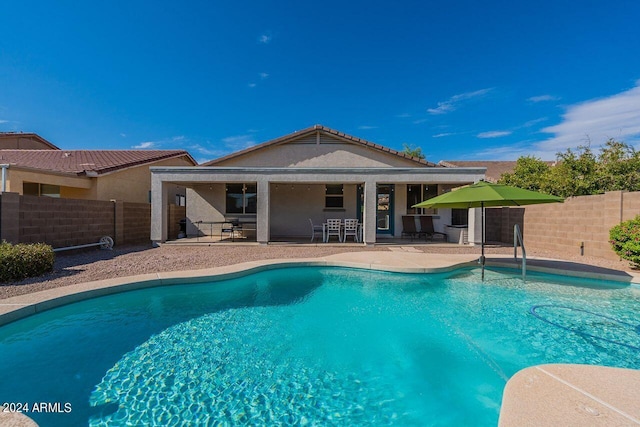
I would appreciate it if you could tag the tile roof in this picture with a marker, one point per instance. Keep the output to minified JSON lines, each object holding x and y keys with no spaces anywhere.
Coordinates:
{"x":79,"y":162}
{"x":495,"y":168}
{"x":326,"y":130}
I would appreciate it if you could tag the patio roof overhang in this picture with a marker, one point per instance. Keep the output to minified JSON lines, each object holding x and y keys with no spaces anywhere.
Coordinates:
{"x":187,"y":175}
{"x":265,"y":176}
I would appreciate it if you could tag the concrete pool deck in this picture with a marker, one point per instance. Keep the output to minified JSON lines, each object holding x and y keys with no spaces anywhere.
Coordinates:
{"x":541,"y":395}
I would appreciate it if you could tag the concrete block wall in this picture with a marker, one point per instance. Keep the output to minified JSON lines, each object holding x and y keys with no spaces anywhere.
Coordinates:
{"x":493,"y":224}
{"x":137,"y":223}
{"x":10,"y":217}
{"x":578,"y":226}
{"x":71,"y":222}
{"x":63,"y":222}
{"x":176,"y":213}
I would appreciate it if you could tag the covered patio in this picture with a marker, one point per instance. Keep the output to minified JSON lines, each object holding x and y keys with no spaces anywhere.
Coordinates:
{"x":276,"y":204}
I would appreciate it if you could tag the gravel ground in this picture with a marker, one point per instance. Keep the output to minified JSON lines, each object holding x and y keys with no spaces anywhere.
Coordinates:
{"x":95,"y":264}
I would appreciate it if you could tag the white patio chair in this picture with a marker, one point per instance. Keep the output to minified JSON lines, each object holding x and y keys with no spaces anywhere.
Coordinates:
{"x":350,"y":229}
{"x":333,"y":228}
{"x":316,"y":229}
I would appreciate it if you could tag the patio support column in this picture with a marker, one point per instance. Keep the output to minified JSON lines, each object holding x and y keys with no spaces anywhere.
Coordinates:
{"x":475,"y":226}
{"x":370,"y":211}
{"x":262,"y":214}
{"x":159,"y":198}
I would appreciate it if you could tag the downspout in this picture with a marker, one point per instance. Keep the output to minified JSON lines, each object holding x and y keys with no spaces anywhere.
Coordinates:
{"x":4,"y":177}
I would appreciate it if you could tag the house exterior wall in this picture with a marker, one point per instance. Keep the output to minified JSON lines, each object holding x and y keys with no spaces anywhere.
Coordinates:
{"x":201,"y":203}
{"x":307,"y":153}
{"x":441,"y":217}
{"x":133,"y":184}
{"x":76,"y":186}
{"x":293,"y":204}
{"x":129,"y":185}
{"x":206,"y":202}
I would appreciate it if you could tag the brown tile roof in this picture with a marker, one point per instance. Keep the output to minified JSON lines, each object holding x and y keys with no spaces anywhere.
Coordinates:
{"x":495,"y":168}
{"x":79,"y":162}
{"x":326,"y":130}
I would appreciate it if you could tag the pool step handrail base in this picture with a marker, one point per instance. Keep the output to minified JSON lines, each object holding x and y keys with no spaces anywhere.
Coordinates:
{"x":518,"y":241}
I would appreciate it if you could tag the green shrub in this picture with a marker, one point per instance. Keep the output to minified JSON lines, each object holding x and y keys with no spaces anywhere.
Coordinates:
{"x":625,"y":240}
{"x":20,"y":261}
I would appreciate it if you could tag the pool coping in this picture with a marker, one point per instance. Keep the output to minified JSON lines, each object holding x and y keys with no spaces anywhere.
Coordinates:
{"x":517,"y":404}
{"x":577,"y":395}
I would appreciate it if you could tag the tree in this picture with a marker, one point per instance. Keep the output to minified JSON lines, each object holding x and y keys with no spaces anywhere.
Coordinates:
{"x":413,"y":151}
{"x":579,"y":172}
{"x":619,"y":167}
{"x":529,"y":173}
{"x":575,"y":173}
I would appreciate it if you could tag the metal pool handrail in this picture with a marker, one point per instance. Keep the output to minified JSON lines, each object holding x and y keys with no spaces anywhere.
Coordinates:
{"x":517,"y":238}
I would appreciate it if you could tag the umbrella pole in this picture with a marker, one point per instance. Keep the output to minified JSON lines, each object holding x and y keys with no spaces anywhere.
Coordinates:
{"x":482,"y":237}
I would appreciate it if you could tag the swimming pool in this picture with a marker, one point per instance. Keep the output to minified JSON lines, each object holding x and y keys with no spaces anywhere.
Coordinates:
{"x":312,"y":346}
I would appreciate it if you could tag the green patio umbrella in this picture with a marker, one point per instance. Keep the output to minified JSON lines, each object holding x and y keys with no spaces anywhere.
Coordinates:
{"x":484,"y":194}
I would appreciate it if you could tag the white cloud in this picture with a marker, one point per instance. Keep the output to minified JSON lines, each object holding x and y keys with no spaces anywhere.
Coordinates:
{"x":417,"y":122}
{"x":365,"y":127}
{"x":263,"y":76}
{"x":403,"y":115}
{"x":453,"y":103}
{"x":494,"y":134}
{"x":145,"y":145}
{"x":124,"y":135}
{"x":199,"y":149}
{"x":252,"y":85}
{"x":265,"y":38}
{"x":178,"y":138}
{"x":534,"y":122}
{"x":209,"y":151}
{"x":542,"y":98}
{"x":441,"y":135}
{"x":4,"y":121}
{"x":616,"y":116}
{"x":507,"y":152}
{"x":238,"y":142}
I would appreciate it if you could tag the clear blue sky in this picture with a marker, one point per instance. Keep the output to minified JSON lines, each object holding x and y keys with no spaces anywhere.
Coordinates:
{"x":460,"y":79}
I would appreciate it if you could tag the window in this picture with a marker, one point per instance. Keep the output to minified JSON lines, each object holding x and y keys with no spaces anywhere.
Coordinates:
{"x":242,"y":198}
{"x":35,"y":189}
{"x":459,"y":216}
{"x":417,"y":193}
{"x":181,"y":200}
{"x":30,"y":189}
{"x":334,"y":196}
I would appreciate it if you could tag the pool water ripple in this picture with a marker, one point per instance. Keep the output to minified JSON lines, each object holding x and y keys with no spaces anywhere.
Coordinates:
{"x":309,"y":346}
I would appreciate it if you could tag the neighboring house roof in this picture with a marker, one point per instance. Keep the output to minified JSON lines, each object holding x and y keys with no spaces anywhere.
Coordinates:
{"x":495,"y":169}
{"x":18,"y":140}
{"x":323,"y":129}
{"x":87,"y":162}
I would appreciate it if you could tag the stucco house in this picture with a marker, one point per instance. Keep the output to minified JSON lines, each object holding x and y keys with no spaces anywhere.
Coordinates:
{"x":33,"y":166}
{"x":316,"y":173}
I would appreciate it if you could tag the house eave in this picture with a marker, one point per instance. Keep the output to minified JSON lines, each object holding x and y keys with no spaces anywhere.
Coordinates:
{"x":311,"y":171}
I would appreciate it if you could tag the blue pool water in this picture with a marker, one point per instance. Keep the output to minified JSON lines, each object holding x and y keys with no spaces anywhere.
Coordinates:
{"x":312,"y":346}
